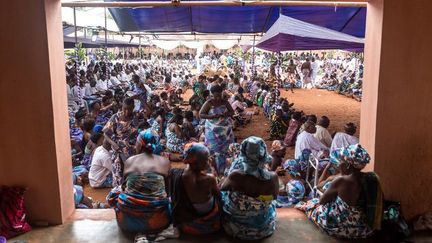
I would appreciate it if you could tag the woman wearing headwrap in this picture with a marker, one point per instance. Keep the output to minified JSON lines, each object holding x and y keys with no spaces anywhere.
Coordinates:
{"x":352,"y":206}
{"x":195,"y":195}
{"x":278,"y":126}
{"x":121,"y":131}
{"x":218,"y":126}
{"x":292,"y":174}
{"x":142,"y":204}
{"x":174,"y":134}
{"x":249,"y":191}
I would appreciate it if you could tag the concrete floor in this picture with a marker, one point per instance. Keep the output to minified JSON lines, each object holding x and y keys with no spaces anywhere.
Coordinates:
{"x":100,"y":226}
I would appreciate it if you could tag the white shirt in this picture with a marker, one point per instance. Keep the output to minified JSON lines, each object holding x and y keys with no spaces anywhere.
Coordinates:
{"x":114,"y":81}
{"x":307,"y":140}
{"x":314,"y":66}
{"x":76,"y":91}
{"x":89,"y":90}
{"x":323,"y":135}
{"x":342,"y":140}
{"x":102,"y":85}
{"x":125,"y":77}
{"x":101,"y":167}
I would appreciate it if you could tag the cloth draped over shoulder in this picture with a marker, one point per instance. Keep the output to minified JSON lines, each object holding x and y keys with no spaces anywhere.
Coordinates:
{"x":142,"y":206}
{"x":185,"y":215}
{"x":246,"y":217}
{"x":218,"y":136}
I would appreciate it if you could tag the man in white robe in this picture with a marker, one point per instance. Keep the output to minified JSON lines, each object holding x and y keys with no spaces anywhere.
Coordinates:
{"x":307,"y":140}
{"x":344,"y":139}
{"x":322,"y":134}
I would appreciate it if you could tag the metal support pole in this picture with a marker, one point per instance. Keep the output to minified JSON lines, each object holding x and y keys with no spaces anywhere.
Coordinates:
{"x":253,"y":59}
{"x":139,"y":46}
{"x":106,"y":44}
{"x":143,"y":4}
{"x":75,"y":26}
{"x":77,"y":61}
{"x":106,"y":32}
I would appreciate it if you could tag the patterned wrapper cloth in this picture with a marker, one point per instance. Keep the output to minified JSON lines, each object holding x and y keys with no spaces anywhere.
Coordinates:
{"x":143,"y":206}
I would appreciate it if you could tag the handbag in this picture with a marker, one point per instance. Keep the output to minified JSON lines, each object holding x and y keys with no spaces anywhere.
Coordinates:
{"x":394,"y":227}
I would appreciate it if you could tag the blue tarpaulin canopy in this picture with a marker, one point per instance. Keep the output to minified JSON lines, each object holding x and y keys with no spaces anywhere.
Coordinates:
{"x":236,"y":19}
{"x":288,"y":34}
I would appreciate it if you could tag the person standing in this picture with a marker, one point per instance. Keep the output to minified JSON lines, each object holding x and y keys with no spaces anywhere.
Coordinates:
{"x":306,"y":71}
{"x":292,"y":75}
{"x":218,"y":126}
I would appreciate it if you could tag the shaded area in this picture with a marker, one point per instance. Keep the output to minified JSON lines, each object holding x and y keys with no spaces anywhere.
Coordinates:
{"x":338,"y":108}
{"x":236,"y":19}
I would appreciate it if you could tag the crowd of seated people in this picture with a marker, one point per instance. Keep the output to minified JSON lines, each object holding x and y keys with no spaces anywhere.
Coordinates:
{"x":128,"y":122}
{"x":340,"y":76}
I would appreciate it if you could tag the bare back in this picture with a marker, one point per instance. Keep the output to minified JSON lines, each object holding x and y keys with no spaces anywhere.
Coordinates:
{"x":199,"y":188}
{"x":250,"y":185}
{"x":143,"y":163}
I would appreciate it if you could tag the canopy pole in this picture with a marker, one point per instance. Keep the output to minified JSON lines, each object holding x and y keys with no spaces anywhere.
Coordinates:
{"x":253,"y":58}
{"x":75,"y":26}
{"x":139,"y":46}
{"x":106,"y":43}
{"x":143,"y":4}
{"x":77,"y":61}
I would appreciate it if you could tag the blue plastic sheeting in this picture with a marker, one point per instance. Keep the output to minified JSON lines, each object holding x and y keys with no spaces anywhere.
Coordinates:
{"x":236,"y":19}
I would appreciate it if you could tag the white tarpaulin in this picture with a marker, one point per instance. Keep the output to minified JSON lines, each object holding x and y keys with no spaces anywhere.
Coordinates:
{"x":292,"y":34}
{"x":89,"y":17}
{"x":166,"y":45}
{"x":224,"y":44}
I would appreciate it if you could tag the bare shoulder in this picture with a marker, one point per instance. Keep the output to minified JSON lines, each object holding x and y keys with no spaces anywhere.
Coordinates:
{"x":131,"y":159}
{"x":274,"y":176}
{"x":161,"y":159}
{"x":210,"y":178}
{"x":341,"y":180}
{"x":235,"y":175}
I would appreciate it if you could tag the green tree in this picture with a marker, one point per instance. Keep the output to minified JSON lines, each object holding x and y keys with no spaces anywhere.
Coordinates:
{"x":78,"y":52}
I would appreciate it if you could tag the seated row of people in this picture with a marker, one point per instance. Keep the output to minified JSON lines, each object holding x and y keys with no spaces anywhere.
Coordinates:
{"x":197,"y":204}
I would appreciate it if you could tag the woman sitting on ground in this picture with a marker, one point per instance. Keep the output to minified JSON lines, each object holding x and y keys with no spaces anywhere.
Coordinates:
{"x":278,"y":154}
{"x":352,"y":206}
{"x":278,"y":126}
{"x":249,"y":212}
{"x":142,"y":204}
{"x":189,"y":130}
{"x":174,"y":134}
{"x":293,"y":129}
{"x":194,"y":193}
{"x":291,"y":175}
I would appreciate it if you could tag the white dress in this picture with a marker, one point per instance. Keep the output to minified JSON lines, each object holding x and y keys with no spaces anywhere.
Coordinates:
{"x":307,"y":140}
{"x":342,"y":140}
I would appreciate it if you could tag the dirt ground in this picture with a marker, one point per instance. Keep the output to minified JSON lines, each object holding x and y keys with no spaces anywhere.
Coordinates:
{"x":338,"y":108}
